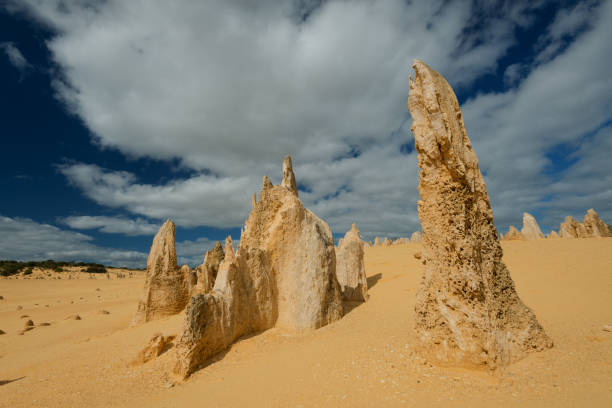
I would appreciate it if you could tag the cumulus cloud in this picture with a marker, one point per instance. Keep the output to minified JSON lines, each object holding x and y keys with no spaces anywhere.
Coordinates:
{"x":192,"y":252}
{"x":516,"y":133}
{"x":197,"y":201}
{"x":112,"y":225}
{"x":14,"y":56}
{"x":26,"y":240}
{"x":230,"y":87}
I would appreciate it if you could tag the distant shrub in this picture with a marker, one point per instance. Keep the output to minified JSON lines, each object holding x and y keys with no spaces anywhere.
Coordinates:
{"x":96,"y":268}
{"x":28,"y":271}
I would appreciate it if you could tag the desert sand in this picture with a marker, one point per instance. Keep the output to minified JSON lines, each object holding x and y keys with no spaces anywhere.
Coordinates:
{"x":368,"y":358}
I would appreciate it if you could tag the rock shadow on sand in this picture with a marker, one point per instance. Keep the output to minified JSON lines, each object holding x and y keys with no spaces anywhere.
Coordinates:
{"x":4,"y":382}
{"x":373,"y":280}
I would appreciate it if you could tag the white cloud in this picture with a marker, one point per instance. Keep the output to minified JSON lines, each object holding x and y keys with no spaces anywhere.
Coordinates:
{"x":112,"y":225}
{"x":192,"y":252}
{"x":197,"y":201}
{"x":26,"y":240}
{"x":233,"y":86}
{"x":557,"y":104}
{"x":15,"y":56}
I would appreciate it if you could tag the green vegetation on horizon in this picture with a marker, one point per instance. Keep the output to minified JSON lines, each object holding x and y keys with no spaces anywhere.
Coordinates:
{"x":8,"y":267}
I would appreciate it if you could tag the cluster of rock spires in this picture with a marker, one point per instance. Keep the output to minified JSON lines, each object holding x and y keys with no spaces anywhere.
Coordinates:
{"x":416,"y":237}
{"x":592,"y":227}
{"x":287,"y":273}
{"x":467,"y":311}
{"x":283,"y":274}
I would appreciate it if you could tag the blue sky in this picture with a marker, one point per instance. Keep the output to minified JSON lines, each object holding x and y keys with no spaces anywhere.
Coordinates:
{"x":118,"y":115}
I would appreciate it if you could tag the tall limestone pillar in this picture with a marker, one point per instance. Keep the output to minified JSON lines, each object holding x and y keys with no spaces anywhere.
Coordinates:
{"x":467,"y":311}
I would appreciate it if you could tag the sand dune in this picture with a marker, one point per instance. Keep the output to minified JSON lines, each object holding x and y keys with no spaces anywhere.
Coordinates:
{"x":365,"y":359}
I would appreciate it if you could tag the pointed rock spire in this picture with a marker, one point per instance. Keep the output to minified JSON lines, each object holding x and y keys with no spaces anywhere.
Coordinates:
{"x":531,"y":230}
{"x":467,"y":309}
{"x":288,"y":176}
{"x":266,"y":183}
{"x":166,"y":292}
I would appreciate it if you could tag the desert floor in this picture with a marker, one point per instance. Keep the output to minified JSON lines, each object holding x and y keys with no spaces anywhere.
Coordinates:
{"x":365,"y":359}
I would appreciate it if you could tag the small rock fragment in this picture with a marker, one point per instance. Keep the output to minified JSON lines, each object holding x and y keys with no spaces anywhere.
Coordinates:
{"x":607,"y":327}
{"x":417,"y":255}
{"x":157,"y":345}
{"x":105,"y":312}
{"x":29,"y":323}
{"x":73,"y":317}
{"x":19,"y":307}
{"x":44,"y":324}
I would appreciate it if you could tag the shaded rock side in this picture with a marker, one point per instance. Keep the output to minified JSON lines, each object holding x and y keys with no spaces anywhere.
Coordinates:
{"x":531,"y":230}
{"x":165,"y":292}
{"x":570,"y":228}
{"x":416,"y":237}
{"x":282,"y":275}
{"x":594,"y":226}
{"x":513,"y":234}
{"x":207,"y":272}
{"x":467,"y":310}
{"x":350,"y":269}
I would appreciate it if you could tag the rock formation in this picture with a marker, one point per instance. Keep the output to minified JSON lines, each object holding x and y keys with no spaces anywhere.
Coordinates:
{"x":531,"y":229}
{"x":157,"y":345}
{"x":571,"y":228}
{"x":377,"y":242}
{"x":416,"y":237}
{"x":282,"y":275}
{"x":387,"y":242}
{"x":594,"y":226}
{"x":190,"y":277}
{"x":467,"y":311}
{"x":513,"y":234}
{"x":402,"y":241}
{"x":553,"y":235}
{"x":207,"y":272}
{"x":165,"y":292}
{"x":350,"y":268}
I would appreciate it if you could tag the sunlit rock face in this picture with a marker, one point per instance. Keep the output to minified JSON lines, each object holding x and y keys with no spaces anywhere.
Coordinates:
{"x":282,"y":275}
{"x":166,"y":289}
{"x":467,"y":311}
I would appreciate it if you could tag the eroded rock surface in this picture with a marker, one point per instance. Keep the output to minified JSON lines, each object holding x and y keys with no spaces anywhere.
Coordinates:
{"x":207,"y":272}
{"x":467,"y":311}
{"x":531,"y":230}
{"x":282,"y":275}
{"x":156,"y":346}
{"x":570,"y":228}
{"x":594,"y":226}
{"x":513,"y":234}
{"x":165,"y":292}
{"x":350,"y":267}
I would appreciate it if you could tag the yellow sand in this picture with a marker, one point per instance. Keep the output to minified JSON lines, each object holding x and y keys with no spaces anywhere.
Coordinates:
{"x":366,"y":359}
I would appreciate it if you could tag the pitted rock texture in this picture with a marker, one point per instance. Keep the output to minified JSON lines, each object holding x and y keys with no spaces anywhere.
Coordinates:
{"x":531,"y":230}
{"x":594,"y":226}
{"x":570,"y":228}
{"x":165,"y":292}
{"x":467,"y":311}
{"x":207,"y":272}
{"x":350,"y":268}
{"x":282,"y":275}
